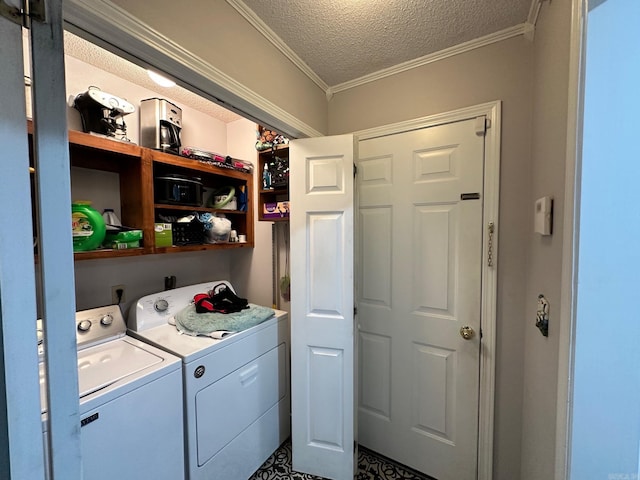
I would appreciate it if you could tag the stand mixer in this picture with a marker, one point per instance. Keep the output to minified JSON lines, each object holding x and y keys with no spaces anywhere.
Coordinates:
{"x":103,"y":113}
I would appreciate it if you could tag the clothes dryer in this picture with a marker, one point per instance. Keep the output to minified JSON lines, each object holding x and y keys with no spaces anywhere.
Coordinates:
{"x":236,"y":388}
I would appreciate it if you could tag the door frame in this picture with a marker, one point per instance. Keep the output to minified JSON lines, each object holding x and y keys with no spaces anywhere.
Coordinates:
{"x":570,"y":228}
{"x":490,"y":204}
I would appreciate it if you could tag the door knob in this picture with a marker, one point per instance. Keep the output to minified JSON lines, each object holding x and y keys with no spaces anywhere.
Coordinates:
{"x":467,"y":332}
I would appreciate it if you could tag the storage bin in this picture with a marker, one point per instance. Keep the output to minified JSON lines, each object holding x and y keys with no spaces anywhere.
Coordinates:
{"x":191,"y":233}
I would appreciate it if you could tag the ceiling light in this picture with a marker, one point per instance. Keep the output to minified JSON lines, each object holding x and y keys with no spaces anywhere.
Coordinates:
{"x":160,"y":80}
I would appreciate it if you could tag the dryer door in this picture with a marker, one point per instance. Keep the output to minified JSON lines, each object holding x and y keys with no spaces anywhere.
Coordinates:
{"x":227,"y":407}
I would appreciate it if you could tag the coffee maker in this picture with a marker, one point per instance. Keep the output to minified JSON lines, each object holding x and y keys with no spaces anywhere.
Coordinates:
{"x":103,"y":113}
{"x":160,"y":125}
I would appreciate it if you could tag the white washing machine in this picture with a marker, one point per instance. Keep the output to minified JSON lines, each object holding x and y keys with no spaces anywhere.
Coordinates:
{"x":236,"y":389}
{"x":131,"y":410}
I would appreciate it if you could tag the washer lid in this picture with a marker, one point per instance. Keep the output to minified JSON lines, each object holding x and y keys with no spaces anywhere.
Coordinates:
{"x":103,"y":365}
{"x":106,"y":364}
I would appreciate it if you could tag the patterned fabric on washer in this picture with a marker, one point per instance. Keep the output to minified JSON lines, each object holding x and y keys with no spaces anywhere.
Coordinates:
{"x":190,"y":322}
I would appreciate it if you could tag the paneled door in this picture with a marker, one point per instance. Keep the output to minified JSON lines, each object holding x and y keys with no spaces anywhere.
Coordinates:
{"x":322,"y":328}
{"x":418,"y":274}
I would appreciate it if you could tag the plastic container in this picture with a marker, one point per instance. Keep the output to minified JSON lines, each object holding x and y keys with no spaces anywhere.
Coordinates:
{"x":111,"y":220}
{"x":266,"y":178}
{"x":87,"y":226}
{"x":123,"y":240}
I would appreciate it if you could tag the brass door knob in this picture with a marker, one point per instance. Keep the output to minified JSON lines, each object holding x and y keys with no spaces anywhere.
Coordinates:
{"x":467,"y":332}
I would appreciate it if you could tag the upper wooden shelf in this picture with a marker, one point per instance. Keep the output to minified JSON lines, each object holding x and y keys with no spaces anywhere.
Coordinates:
{"x":102,"y":143}
{"x":278,"y":147}
{"x":98,"y":142}
{"x":188,"y":208}
{"x":197,"y":165}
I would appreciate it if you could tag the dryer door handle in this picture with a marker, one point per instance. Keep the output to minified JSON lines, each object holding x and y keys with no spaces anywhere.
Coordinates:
{"x":249,"y":375}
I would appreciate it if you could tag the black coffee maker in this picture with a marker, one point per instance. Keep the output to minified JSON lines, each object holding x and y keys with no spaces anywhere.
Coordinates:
{"x":160,"y":125}
{"x":103,"y":113}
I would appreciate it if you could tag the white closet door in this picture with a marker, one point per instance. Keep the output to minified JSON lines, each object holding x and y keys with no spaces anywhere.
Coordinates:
{"x":419,"y":277}
{"x":322,"y":321}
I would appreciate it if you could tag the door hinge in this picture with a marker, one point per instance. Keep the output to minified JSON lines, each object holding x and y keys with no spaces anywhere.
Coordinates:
{"x":482,"y":124}
{"x":490,"y":230}
{"x":355,"y":311}
{"x":355,"y":170}
{"x":37,"y":10}
{"x":12,"y":11}
{"x":19,"y":10}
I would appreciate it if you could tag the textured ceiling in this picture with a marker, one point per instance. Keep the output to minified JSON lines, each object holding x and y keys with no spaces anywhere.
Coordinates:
{"x":107,"y":61}
{"x":341,"y":40}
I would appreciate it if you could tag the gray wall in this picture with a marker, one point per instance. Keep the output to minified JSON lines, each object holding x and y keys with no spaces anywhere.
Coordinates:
{"x":502,"y":71}
{"x":218,"y":34}
{"x":548,"y":151}
{"x":144,"y":275}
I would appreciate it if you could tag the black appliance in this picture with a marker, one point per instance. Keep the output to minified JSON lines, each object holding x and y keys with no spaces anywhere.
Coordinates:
{"x":178,"y":189}
{"x":103,"y":113}
{"x":160,"y":125}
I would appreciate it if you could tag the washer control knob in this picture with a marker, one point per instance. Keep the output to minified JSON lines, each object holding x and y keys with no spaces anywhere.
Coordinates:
{"x":84,"y":325}
{"x":161,"y":305}
{"x":106,"y":320}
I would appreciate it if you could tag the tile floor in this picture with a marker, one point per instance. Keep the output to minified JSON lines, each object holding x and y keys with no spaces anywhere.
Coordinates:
{"x":370,"y":467}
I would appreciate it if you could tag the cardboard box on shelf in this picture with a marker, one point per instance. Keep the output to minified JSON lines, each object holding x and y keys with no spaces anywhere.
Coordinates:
{"x":276,"y":210}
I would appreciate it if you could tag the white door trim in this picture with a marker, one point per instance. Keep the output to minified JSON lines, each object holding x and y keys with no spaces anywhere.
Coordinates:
{"x":20,"y":422}
{"x":55,"y":267}
{"x":570,"y":238}
{"x":492,"y":111}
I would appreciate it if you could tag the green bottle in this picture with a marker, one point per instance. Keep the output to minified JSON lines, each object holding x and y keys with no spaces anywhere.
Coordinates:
{"x":87,"y":226}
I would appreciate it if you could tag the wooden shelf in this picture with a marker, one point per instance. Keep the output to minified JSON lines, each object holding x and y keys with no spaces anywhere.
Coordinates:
{"x":272,"y":194}
{"x":274,"y":191}
{"x":135,"y":167}
{"x":201,"y":247}
{"x":187,"y":208}
{"x":198,"y":166}
{"x":102,"y":143}
{"x":277,"y":148}
{"x":109,"y":253}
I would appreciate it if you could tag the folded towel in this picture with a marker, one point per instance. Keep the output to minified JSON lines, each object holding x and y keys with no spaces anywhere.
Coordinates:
{"x":192,"y":323}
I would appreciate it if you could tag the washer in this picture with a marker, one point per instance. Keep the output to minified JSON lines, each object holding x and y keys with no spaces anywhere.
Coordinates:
{"x":236,"y":389}
{"x":131,"y":410}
